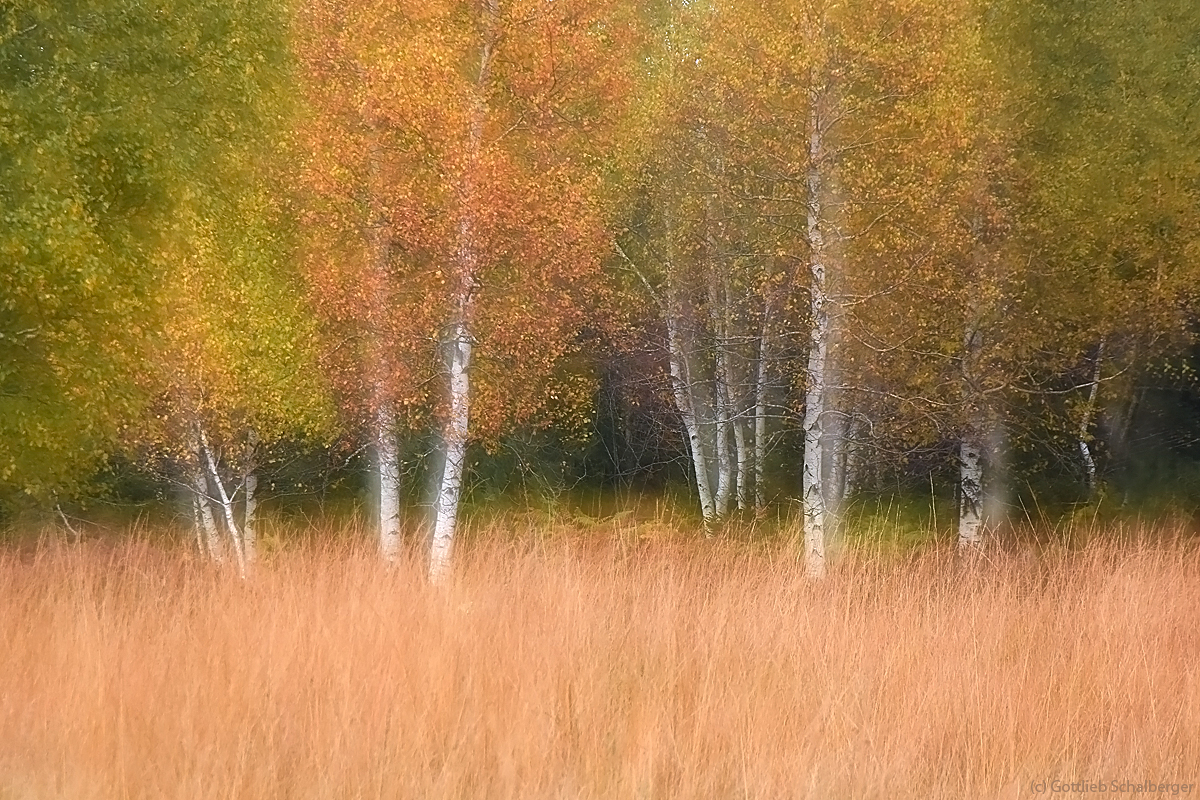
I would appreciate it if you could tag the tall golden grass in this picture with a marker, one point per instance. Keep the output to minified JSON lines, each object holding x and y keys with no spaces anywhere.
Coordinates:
{"x":577,"y":669}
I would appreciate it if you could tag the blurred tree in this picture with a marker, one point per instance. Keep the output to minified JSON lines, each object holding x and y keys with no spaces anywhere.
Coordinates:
{"x":455,"y":156}
{"x":147,"y":250}
{"x":78,"y":193}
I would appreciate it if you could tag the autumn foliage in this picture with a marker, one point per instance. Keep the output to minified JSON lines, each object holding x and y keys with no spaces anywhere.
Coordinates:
{"x":397,"y":169}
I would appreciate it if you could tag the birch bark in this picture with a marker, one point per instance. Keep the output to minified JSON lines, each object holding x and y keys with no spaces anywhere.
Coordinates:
{"x":467,"y":263}
{"x":685,"y":403}
{"x":722,"y":417}
{"x":679,"y":347}
{"x":387,"y":454}
{"x":815,"y":509}
{"x":250,"y":507}
{"x":835,"y":462}
{"x":971,"y":450}
{"x":202,"y":506}
{"x":719,"y":321}
{"x":760,"y":419}
{"x":851,"y":454}
{"x":455,"y":440}
{"x":733,"y":370}
{"x":970,"y":474}
{"x":388,"y":466}
{"x":235,"y":533}
{"x":1085,"y":450}
{"x":743,"y":461}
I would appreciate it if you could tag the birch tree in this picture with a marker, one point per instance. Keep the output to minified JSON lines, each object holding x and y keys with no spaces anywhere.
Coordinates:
{"x":827,"y":221}
{"x":881,"y":144}
{"x":1111,"y":156}
{"x":162,"y":267}
{"x":699,"y":245}
{"x":487,"y":120}
{"x":234,"y":367}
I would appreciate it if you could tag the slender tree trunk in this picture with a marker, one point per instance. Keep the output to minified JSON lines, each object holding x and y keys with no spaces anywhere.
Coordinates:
{"x":200,"y":499}
{"x":743,"y":462}
{"x":208,"y":541}
{"x":814,"y":451}
{"x":837,"y":436}
{"x":387,"y":453}
{"x":733,"y":371}
{"x":724,"y":460}
{"x":467,"y":257}
{"x":679,"y":369}
{"x":724,"y":424}
{"x":1085,"y":450}
{"x":681,"y":388}
{"x":1089,"y":463}
{"x":681,"y":345}
{"x":817,"y":393}
{"x":971,"y":450}
{"x":235,"y":533}
{"x":813,"y":486}
{"x":718,"y":314}
{"x":455,"y":441}
{"x":970,"y":475}
{"x":250,"y":507}
{"x":760,"y":413}
{"x":387,"y":460}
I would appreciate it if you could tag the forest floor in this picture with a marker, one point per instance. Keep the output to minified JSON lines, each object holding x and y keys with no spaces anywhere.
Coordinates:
{"x":603,"y":661}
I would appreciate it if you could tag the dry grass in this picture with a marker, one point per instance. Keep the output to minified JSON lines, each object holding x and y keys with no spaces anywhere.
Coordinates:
{"x":579,"y":670}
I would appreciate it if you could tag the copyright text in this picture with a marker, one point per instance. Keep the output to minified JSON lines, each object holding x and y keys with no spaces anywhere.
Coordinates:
{"x":1137,"y":787}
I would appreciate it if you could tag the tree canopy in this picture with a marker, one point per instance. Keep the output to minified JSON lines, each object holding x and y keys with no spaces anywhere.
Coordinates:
{"x":806,"y":244}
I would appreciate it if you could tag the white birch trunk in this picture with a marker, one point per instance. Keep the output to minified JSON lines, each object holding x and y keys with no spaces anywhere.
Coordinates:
{"x":388,"y":464}
{"x":456,"y":432}
{"x":455,"y":440}
{"x":681,"y":382}
{"x":684,"y":403}
{"x":250,"y":507}
{"x":730,"y":369}
{"x":235,"y":533}
{"x":971,"y":450}
{"x":1085,"y":451}
{"x":812,"y":485}
{"x":970,"y":508}
{"x":387,"y":453}
{"x":200,"y":498}
{"x":1089,"y":463}
{"x":249,"y":520}
{"x":724,"y":424}
{"x":680,"y":346}
{"x":978,"y":428}
{"x":718,"y":313}
{"x":743,"y":463}
{"x":760,"y":416}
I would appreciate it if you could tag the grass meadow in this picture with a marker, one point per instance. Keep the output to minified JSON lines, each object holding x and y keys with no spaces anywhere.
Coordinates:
{"x":598,"y":663}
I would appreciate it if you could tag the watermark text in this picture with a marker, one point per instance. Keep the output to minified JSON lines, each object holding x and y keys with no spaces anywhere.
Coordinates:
{"x":1142,"y":787}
